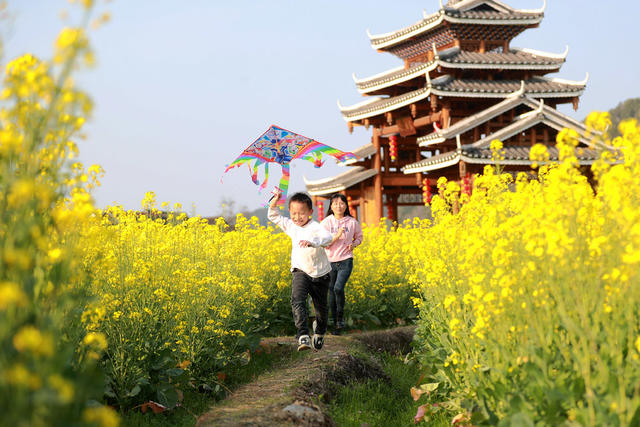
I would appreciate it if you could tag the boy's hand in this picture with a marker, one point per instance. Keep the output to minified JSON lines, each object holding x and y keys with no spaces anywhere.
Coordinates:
{"x":277,"y":193}
{"x":305,"y":243}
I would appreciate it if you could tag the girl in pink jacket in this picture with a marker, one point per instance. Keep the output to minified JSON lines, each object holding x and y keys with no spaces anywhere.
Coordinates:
{"x":340,"y":254}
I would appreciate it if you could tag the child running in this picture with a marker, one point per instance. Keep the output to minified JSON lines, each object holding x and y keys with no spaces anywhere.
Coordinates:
{"x":340,"y":254}
{"x":309,"y":265}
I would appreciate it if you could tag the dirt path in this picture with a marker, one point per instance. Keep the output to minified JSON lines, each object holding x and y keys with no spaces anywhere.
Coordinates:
{"x":295,"y":392}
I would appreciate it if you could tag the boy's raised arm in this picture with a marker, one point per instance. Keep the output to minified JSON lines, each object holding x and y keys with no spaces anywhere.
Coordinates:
{"x":273,"y":213}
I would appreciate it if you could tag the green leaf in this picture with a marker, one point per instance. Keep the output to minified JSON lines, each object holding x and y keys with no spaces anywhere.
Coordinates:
{"x":429,"y":387}
{"x":174,"y":372}
{"x":168,"y":397}
{"x":134,"y":391}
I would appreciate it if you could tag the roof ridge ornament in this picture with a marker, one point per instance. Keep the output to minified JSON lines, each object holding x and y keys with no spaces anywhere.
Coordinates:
{"x":586,"y":79}
{"x":518,"y":92}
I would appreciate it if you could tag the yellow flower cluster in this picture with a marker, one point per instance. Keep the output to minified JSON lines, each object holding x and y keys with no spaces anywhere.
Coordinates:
{"x":537,"y":281}
{"x":43,"y":198}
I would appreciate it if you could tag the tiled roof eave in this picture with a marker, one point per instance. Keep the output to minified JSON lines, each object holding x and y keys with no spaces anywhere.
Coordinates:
{"x":487,"y":94}
{"x":402,"y":35}
{"x":399,"y":36}
{"x":514,"y":162}
{"x":430,"y":164}
{"x":480,"y":21}
{"x":383,"y":83}
{"x":339,"y":183}
{"x":388,"y":105}
{"x":499,"y":66}
{"x":431,"y":141}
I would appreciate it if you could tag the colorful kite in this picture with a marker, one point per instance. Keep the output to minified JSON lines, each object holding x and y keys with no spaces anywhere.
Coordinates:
{"x":281,"y":146}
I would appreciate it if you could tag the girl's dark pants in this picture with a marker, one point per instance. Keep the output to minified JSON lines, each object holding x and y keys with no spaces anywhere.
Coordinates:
{"x":340,"y":272}
{"x":302,"y":285}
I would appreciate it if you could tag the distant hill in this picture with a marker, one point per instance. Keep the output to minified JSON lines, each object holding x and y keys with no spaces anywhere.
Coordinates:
{"x":629,"y":109}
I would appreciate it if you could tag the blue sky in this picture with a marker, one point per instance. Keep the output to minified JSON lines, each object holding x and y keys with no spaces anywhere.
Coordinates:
{"x":181,"y":88}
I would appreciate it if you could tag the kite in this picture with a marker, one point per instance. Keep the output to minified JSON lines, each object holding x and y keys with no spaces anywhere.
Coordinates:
{"x":278,"y":145}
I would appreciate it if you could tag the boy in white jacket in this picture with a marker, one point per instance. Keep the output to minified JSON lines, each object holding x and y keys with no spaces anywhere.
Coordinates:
{"x":309,"y":265}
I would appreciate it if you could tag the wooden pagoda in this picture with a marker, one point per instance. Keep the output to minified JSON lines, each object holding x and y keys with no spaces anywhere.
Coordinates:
{"x":461,"y":86}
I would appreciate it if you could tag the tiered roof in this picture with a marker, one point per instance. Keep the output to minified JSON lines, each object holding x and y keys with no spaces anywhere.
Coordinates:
{"x":483,"y":155}
{"x":514,"y":100}
{"x":480,"y":152}
{"x":539,"y":87}
{"x":452,"y":58}
{"x":463,"y":19}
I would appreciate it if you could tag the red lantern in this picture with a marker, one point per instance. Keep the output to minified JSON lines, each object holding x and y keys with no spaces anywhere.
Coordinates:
{"x":393,"y":147}
{"x":466,"y":184}
{"x":320,"y":211}
{"x":426,"y":192}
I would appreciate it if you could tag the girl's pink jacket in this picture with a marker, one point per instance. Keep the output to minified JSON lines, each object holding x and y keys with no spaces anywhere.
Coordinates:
{"x":339,"y":250}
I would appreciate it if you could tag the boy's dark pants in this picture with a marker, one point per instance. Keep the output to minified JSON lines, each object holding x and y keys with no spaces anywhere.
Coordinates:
{"x":302,"y":285}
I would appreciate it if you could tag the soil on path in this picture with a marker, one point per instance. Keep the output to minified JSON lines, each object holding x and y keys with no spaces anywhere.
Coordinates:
{"x":295,"y":392}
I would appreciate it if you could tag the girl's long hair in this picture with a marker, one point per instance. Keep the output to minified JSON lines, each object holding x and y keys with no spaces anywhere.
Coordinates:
{"x":341,"y":197}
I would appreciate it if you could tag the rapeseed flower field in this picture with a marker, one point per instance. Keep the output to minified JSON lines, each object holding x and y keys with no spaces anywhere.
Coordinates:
{"x":525,"y":292}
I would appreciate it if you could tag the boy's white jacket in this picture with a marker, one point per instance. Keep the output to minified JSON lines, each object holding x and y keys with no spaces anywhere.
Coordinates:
{"x":312,"y":260}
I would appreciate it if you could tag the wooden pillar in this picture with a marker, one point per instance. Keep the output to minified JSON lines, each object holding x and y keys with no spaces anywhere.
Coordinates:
{"x":545,"y":134}
{"x":377,"y":180}
{"x":462,"y":169}
{"x":534,"y":136}
{"x":395,"y":208}
{"x":387,"y":160}
{"x":446,"y":111}
{"x":483,"y":46}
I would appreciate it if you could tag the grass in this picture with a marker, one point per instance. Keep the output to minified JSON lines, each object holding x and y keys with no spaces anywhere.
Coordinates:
{"x":195,"y":403}
{"x":378,"y":403}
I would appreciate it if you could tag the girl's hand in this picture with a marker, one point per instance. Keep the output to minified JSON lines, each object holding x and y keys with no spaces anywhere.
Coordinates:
{"x":349,"y":248}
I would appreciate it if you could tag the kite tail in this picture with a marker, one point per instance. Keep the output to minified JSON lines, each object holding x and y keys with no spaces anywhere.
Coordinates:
{"x":284,"y":184}
{"x":316,"y":148}
{"x":266,"y":177}
{"x":238,"y":162}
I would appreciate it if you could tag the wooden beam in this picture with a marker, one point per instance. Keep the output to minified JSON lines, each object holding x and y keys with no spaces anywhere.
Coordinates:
{"x":417,"y":123}
{"x":393,"y":181}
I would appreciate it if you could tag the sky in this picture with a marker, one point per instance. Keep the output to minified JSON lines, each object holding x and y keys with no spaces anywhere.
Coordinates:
{"x":182,"y":87}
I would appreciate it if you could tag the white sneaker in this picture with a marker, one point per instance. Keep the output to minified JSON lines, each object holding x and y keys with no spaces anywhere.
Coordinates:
{"x":304,"y":343}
